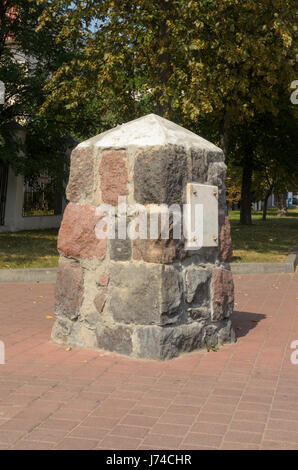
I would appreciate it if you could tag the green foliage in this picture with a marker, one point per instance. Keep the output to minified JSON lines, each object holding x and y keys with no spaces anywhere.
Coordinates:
{"x":182,"y":59}
{"x":217,"y":68}
{"x":269,"y":143}
{"x":233,"y":185}
{"x":27,"y":60}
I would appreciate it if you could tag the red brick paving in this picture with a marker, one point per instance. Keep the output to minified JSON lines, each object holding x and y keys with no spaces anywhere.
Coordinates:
{"x":243,"y":396}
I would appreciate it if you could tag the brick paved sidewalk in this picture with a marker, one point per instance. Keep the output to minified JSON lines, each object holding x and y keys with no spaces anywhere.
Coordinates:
{"x":242,"y":397}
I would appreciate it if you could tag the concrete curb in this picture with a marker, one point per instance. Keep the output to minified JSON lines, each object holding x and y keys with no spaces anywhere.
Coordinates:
{"x":49,"y":274}
{"x":288,"y":266}
{"x":28,"y":275}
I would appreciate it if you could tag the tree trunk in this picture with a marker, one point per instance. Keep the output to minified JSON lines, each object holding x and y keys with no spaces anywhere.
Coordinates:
{"x":265,"y":202}
{"x":245,"y":203}
{"x":224,"y":137}
{"x":282,"y":204}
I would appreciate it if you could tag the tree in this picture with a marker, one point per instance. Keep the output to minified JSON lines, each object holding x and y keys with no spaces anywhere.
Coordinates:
{"x":233,"y":185}
{"x":185,"y":60}
{"x":188,"y":58}
{"x":27,"y":60}
{"x":263,"y":184}
{"x":266,"y":150}
{"x":278,"y":149}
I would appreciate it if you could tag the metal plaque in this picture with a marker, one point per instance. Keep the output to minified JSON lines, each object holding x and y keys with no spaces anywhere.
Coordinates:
{"x":201,"y":216}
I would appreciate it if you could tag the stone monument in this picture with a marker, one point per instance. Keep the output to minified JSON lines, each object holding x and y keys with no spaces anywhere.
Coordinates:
{"x":147,"y":298}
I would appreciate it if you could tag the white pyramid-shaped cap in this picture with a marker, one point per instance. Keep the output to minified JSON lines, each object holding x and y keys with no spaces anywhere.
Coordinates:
{"x":149,"y":130}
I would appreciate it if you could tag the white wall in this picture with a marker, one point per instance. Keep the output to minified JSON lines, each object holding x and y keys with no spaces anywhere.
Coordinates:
{"x":14,"y":220}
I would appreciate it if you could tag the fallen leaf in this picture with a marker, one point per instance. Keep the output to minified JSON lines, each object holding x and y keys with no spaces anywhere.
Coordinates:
{"x":85,"y":361}
{"x":68,"y":349}
{"x":48,"y":317}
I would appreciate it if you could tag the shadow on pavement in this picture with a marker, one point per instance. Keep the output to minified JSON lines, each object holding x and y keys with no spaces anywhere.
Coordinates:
{"x":243,"y":322}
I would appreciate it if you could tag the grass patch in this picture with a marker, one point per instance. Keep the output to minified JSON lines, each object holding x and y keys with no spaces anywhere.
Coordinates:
{"x":29,"y":249}
{"x":269,"y":241}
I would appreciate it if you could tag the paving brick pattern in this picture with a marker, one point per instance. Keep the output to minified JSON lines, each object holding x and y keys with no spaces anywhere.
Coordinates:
{"x":243,"y":396}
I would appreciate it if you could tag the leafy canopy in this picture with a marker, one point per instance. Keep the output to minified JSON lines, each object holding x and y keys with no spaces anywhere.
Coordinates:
{"x":183,"y":59}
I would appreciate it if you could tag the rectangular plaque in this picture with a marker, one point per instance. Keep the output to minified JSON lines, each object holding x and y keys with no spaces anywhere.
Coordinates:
{"x":201,"y":216}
